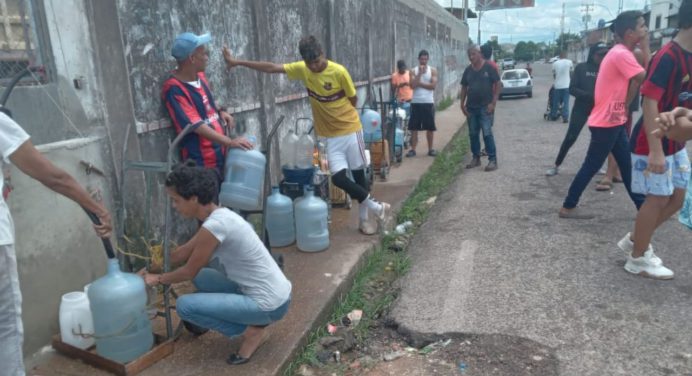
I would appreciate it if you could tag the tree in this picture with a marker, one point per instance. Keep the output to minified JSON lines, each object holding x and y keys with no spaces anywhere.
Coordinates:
{"x":526,"y":51}
{"x":563,"y":41}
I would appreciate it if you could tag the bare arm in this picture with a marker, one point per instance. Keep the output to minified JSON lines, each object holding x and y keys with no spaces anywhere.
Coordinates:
{"x":462,"y":100}
{"x":261,"y":66}
{"x":228,"y":142}
{"x":200,"y":253}
{"x":431,"y":85}
{"x":33,"y":163}
{"x":632,"y":90}
{"x":676,"y":124}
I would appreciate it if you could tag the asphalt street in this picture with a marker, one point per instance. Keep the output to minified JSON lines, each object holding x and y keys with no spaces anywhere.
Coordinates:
{"x":494,"y":258}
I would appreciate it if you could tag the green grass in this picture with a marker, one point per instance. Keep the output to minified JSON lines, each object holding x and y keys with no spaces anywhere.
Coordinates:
{"x":445,"y":103}
{"x":372,"y":289}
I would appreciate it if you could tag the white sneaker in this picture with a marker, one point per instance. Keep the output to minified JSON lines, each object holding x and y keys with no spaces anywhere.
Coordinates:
{"x":627,"y":246}
{"x":367,"y":227}
{"x":644,"y":267}
{"x":383,"y":216}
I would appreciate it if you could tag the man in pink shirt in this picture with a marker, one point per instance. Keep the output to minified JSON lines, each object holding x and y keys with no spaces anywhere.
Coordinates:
{"x":619,"y":76}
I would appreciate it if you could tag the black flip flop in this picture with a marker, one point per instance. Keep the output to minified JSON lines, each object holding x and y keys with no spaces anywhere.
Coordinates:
{"x":235,"y":359}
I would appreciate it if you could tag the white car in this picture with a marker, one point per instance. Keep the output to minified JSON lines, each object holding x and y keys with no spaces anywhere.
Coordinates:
{"x":516,"y":82}
{"x":553,"y":59}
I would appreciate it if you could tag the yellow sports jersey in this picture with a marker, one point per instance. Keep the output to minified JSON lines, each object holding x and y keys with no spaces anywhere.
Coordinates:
{"x":329,"y":90}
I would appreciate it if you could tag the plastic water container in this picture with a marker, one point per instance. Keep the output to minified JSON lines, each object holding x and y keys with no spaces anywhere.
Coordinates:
{"x":304,"y":150}
{"x":280,"y":222}
{"x":289,"y":146}
{"x":312,"y":216}
{"x":372,"y":125}
{"x":399,"y":137}
{"x":75,"y":320}
{"x":118,"y":306}
{"x":244,"y":178}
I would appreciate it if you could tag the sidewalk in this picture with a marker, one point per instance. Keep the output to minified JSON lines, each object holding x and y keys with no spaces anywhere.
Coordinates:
{"x":318,"y":280}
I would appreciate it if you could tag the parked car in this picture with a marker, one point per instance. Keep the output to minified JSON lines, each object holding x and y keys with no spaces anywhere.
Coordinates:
{"x":516,"y":82}
{"x":507,"y":63}
{"x":554,"y":59}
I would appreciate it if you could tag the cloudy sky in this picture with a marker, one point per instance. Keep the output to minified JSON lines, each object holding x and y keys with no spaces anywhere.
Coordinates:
{"x":542,"y":22}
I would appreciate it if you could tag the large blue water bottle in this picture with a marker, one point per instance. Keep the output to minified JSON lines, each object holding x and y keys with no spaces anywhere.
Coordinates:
{"x":280,"y":222}
{"x":118,"y":306}
{"x":244,"y":179}
{"x":312,"y":215}
{"x":372,"y":125}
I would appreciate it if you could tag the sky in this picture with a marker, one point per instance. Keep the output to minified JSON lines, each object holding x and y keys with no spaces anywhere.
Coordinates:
{"x":542,"y":22}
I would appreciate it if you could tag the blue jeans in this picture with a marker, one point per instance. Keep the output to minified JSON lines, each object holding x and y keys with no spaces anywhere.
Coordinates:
{"x":560,"y":96}
{"x":480,"y":120}
{"x":603,"y":141}
{"x":219,"y":305}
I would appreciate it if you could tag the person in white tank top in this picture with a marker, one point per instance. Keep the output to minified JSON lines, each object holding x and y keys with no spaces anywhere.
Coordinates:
{"x":423,"y":81}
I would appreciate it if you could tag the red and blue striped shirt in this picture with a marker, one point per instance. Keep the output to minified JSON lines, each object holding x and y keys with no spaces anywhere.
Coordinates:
{"x":668,"y":82}
{"x":189,"y":105}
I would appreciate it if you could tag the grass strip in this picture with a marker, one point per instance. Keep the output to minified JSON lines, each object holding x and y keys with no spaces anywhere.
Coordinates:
{"x":372,"y":284}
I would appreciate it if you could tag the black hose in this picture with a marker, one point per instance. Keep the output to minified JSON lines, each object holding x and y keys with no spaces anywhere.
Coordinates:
{"x":106,"y":242}
{"x":8,"y":90}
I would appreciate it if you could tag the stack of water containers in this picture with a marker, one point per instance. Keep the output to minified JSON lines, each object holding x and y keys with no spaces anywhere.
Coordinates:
{"x":243,"y":183}
{"x":372,"y":125}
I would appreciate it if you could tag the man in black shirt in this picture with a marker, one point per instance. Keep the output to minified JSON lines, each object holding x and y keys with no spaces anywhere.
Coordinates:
{"x":582,"y":88}
{"x":480,"y":88}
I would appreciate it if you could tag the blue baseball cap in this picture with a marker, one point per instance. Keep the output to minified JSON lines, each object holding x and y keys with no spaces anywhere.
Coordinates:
{"x":186,"y":43}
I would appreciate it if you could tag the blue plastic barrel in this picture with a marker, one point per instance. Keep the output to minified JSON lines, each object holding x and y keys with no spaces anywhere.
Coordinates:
{"x":244,"y":178}
{"x":280,"y":222}
{"x":312,"y":230}
{"x":118,"y":306}
{"x":372,"y":125}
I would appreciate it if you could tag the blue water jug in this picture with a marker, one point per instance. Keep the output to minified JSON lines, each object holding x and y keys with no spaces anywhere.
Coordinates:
{"x":399,"y":138}
{"x":244,"y":178}
{"x":280,"y":222}
{"x":118,"y":306}
{"x":312,"y":231}
{"x":372,"y":125}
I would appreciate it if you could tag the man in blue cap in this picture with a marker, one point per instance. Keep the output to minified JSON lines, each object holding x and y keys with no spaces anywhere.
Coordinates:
{"x":189,"y":102}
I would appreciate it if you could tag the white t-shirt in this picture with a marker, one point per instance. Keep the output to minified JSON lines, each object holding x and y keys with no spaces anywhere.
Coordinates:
{"x":562,"y":69}
{"x":421,"y":94}
{"x":12,"y":136}
{"x":243,"y":259}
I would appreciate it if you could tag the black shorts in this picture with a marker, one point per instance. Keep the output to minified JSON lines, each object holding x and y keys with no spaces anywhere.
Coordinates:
{"x":422,"y":117}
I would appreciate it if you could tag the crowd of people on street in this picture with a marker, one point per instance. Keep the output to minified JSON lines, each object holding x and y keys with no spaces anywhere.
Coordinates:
{"x":651,"y":158}
{"x":240,"y":288}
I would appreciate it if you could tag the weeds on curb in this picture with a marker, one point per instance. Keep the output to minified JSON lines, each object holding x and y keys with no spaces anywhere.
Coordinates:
{"x":445,"y":103}
{"x":372,"y":289}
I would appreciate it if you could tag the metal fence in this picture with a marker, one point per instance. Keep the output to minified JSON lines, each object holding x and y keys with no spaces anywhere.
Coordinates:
{"x":16,"y":49}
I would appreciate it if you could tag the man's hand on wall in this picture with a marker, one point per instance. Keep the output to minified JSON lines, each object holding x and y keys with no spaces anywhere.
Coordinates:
{"x":230,"y":61}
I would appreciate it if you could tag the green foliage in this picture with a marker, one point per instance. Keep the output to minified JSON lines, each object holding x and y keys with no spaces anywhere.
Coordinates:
{"x":445,"y":103}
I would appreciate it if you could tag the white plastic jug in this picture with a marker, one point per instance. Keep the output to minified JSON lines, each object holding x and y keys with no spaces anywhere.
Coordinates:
{"x":280,"y":222}
{"x":118,"y":306}
{"x":76,"y":324}
{"x":304,"y":150}
{"x":312,"y":217}
{"x":289,"y":146}
{"x":243,"y":183}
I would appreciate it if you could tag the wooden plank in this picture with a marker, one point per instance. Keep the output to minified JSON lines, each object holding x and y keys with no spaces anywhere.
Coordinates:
{"x":89,"y":357}
{"x":161,"y":349}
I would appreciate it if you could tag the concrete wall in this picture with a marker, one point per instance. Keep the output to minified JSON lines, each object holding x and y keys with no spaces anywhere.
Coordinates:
{"x":106,"y":61}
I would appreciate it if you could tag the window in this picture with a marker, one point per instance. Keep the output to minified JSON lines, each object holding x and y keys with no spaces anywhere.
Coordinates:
{"x":658,"y":22}
{"x":16,"y":47}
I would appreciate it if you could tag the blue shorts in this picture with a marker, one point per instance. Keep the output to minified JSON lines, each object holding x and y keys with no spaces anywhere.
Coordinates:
{"x":677,"y":175}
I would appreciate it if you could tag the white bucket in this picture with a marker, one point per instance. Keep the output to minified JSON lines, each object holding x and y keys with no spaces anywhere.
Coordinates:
{"x":75,"y":319}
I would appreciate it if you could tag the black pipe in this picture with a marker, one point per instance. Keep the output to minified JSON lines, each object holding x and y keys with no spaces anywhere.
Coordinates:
{"x":8,"y":90}
{"x":106,"y":242}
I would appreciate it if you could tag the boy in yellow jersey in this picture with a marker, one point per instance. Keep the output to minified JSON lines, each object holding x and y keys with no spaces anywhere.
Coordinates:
{"x":333,"y":100}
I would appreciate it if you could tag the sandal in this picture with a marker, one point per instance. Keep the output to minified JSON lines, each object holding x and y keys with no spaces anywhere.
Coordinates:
{"x":604,"y":185}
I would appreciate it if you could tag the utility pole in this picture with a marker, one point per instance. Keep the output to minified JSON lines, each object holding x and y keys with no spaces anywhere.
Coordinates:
{"x":620,"y":5}
{"x":480,"y":13}
{"x":586,"y":8}
{"x":562,"y":26}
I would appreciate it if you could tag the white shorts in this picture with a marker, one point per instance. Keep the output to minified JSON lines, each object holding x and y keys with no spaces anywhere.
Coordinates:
{"x":677,"y":175}
{"x":346,"y":152}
